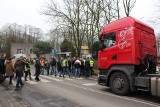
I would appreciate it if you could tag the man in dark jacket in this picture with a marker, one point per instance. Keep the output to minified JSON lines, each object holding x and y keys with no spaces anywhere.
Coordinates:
{"x":73,"y":67}
{"x":53,"y":66}
{"x":2,"y":67}
{"x":87,"y":67}
{"x":37,"y":67}
{"x":59,"y":67}
{"x":69,"y":65}
{"x":19,"y":66}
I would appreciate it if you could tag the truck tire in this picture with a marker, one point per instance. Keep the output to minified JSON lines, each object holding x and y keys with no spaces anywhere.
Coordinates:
{"x":119,"y":83}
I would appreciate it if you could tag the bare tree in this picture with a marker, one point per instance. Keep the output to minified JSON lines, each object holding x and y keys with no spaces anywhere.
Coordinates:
{"x":128,"y":5}
{"x":14,"y":33}
{"x":81,"y":21}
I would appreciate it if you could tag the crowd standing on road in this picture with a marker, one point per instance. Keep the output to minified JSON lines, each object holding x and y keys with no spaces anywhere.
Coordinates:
{"x":75,"y":67}
{"x":64,"y":66}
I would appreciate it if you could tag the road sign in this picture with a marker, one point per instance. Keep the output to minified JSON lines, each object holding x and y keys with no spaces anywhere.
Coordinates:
{"x":53,"y":52}
{"x":82,"y":52}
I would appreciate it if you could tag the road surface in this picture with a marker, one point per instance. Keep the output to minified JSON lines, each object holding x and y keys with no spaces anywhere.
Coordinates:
{"x":54,"y":91}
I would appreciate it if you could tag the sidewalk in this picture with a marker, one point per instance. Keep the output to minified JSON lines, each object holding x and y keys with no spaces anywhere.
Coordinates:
{"x":9,"y":98}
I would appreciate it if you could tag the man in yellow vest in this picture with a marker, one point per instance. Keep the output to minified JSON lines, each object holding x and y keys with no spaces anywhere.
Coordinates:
{"x":65,"y":67}
{"x":91,"y":66}
{"x":27,"y":70}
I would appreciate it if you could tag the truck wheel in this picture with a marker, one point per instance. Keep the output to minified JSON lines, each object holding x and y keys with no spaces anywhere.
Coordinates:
{"x":119,"y":83}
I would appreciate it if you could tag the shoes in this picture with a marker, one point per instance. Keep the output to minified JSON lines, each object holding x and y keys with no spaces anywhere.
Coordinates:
{"x":37,"y":79}
{"x":22,"y":84}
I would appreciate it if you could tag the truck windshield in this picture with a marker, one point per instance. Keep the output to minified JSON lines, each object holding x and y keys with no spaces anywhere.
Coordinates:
{"x":110,"y":39}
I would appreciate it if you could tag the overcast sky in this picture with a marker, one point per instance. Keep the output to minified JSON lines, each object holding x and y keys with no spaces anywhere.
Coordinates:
{"x":27,"y":12}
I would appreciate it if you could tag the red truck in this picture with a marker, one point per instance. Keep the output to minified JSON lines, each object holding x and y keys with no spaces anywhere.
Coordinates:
{"x":128,"y":56}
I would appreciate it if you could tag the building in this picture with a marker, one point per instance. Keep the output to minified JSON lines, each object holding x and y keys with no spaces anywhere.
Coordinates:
{"x":85,"y":50}
{"x":23,"y":48}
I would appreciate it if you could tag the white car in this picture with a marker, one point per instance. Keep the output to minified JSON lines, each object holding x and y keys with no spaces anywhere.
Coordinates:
{"x":19,"y":55}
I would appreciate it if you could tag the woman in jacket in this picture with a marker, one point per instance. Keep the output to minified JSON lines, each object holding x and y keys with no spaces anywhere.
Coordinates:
{"x":9,"y":69}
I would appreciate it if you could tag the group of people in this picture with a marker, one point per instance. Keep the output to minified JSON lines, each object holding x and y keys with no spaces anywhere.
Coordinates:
{"x":10,"y":67}
{"x":74,"y":67}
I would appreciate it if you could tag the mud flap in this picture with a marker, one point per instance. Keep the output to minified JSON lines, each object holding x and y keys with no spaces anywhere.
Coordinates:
{"x":155,"y":86}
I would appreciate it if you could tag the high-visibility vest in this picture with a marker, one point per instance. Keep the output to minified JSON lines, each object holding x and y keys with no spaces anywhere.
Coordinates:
{"x":91,"y":63}
{"x":65,"y":63}
{"x":84,"y":62}
{"x":27,"y":68}
{"x":34,"y":62}
{"x":42,"y":62}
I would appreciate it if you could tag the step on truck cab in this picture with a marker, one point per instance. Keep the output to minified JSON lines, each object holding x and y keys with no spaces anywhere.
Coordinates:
{"x":127,"y":57}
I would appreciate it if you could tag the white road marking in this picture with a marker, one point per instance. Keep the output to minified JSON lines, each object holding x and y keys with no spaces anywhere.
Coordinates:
{"x":31,"y":82}
{"x":90,"y":84}
{"x":93,"y":79}
{"x":52,"y":78}
{"x":68,"y":78}
{"x":41,"y":80}
{"x":121,"y":97}
{"x":44,"y":80}
{"x":80,"y":78}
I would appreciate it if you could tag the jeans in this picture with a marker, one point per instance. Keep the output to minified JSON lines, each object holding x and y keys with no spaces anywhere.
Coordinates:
{"x":91,"y":71}
{"x":87,"y":72}
{"x":19,"y":80}
{"x":77,"y":72}
{"x":42,"y":70}
{"x":47,"y":68}
{"x":61,"y":72}
{"x":53,"y":70}
{"x":84,"y":72}
{"x":37,"y":73}
{"x":66,"y":71}
{"x":73,"y":70}
{"x":58,"y":71}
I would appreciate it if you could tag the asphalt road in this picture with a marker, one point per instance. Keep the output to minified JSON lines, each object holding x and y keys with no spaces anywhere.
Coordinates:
{"x":84,"y":92}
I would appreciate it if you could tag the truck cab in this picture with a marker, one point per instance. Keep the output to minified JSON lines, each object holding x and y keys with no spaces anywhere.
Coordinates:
{"x":127,"y":56}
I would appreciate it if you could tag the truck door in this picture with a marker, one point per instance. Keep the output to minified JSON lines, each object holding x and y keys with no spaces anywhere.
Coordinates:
{"x":107,"y":55}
